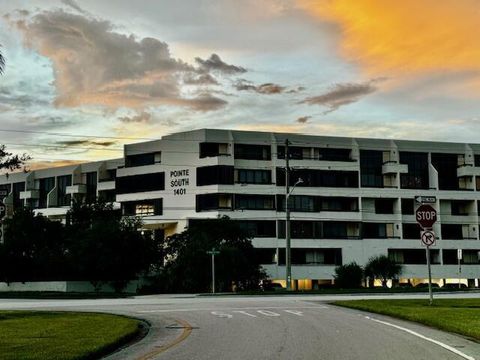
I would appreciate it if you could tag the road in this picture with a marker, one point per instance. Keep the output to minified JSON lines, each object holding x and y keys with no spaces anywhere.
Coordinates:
{"x":272,"y":327}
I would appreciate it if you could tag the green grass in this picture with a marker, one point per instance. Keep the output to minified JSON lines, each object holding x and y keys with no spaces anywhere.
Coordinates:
{"x":35,"y":335}
{"x":460,"y":316}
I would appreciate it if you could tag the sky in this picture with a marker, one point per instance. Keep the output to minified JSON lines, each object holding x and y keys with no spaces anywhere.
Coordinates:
{"x":84,"y":77}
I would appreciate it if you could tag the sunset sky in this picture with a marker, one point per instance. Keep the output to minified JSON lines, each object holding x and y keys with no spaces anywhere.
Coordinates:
{"x":84,"y":77}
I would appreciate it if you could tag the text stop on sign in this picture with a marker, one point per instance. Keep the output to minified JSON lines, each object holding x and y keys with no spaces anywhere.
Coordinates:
{"x":426,"y":216}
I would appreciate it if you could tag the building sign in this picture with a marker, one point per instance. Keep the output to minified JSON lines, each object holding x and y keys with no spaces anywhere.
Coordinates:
{"x":179,"y":180}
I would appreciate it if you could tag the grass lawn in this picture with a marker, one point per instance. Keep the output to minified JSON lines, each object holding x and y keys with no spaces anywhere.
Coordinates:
{"x":62,"y":335}
{"x":461,"y":316}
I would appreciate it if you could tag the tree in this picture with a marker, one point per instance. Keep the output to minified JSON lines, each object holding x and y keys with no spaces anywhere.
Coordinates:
{"x":382,"y":267}
{"x":33,"y":249}
{"x":11,"y":162}
{"x":105,"y":247}
{"x":188,"y":266}
{"x":348,"y":276}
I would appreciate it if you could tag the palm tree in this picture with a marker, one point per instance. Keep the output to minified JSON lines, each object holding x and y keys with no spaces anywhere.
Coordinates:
{"x":2,"y":63}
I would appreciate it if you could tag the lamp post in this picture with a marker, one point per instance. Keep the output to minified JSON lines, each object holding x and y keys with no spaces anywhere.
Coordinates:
{"x":213,"y":252}
{"x":287,"y":232}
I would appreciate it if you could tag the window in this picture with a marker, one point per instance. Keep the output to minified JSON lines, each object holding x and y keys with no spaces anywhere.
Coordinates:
{"x":384,"y":206}
{"x":446,"y":165}
{"x":252,"y":152}
{"x":295,"y":152}
{"x":338,"y":204}
{"x":258,"y":228}
{"x":143,"y":207}
{"x":208,"y":149}
{"x":111,"y":174}
{"x":108,"y":195}
{"x":371,"y":163}
{"x":374,"y":230}
{"x":452,"y":231}
{"x":332,"y":154}
{"x":407,"y":206}
{"x":413,"y":256}
{"x":142,"y":159}
{"x":266,"y":256}
{"x":247,"y":176}
{"x":45,"y":186}
{"x":459,"y":208}
{"x":411,"y":231}
{"x":17,"y":188}
{"x":335,"y":230}
{"x":215,"y":175}
{"x":254,"y":202}
{"x":302,"y":203}
{"x":312,"y":256}
{"x":63,"y":199}
{"x":91,"y":182}
{"x":6,"y":187}
{"x":205,"y":202}
{"x":417,"y":176}
{"x":319,"y":178}
{"x":140,"y":183}
{"x":476,"y":160}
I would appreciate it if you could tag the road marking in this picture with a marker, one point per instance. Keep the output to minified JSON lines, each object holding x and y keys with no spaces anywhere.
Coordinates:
{"x":294,"y":312}
{"x":267,"y":313}
{"x":231,"y":309}
{"x":221,"y":314}
{"x":187,"y":329}
{"x":439,"y":343}
{"x":244,"y":313}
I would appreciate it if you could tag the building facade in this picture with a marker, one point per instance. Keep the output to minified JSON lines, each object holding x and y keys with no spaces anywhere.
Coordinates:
{"x":356,"y":199}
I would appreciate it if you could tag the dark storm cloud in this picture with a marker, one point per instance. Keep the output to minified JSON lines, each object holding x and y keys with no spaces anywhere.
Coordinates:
{"x":200,"y":79}
{"x":343,"y":94}
{"x":83,"y":142}
{"x":214,"y":63}
{"x":265,"y":89}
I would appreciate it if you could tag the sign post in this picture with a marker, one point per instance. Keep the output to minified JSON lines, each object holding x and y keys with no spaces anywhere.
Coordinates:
{"x":213,"y":252}
{"x":459,"y":258}
{"x":426,"y":216}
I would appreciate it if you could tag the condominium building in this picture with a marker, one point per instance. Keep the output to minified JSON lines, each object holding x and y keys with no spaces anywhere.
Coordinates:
{"x":356,"y":199}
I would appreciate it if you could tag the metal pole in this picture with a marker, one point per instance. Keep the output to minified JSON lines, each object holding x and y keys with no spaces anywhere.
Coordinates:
{"x":459,"y":271}
{"x":429,"y":277}
{"x":213,"y":271}
{"x":287,"y":220}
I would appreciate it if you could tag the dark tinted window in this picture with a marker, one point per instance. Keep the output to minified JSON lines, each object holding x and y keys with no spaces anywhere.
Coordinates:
{"x":215,"y":175}
{"x":247,"y":176}
{"x":91,"y":182}
{"x":254,"y":202}
{"x":139,"y":160}
{"x":319,"y":178}
{"x":452,"y":231}
{"x":143,"y":207}
{"x":332,"y":154}
{"x":258,"y":228}
{"x":446,"y":166}
{"x":384,"y":206}
{"x":140,"y":183}
{"x":64,"y":199}
{"x":371,"y":162}
{"x":17,"y":188}
{"x":417,"y":176}
{"x":374,"y":230}
{"x":205,"y":202}
{"x":45,"y":186}
{"x":252,"y":152}
{"x":411,"y":231}
{"x":407,"y":206}
{"x":208,"y":149}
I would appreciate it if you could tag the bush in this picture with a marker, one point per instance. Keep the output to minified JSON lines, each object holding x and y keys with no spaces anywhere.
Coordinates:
{"x":349,"y":276}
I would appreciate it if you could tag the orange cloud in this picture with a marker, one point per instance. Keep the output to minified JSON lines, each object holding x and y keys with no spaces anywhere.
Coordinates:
{"x":409,"y":36}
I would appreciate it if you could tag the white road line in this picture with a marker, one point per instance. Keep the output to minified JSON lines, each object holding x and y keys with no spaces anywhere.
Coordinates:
{"x":294,"y":312}
{"x":439,"y":343}
{"x":222,"y":315}
{"x":267,"y":313}
{"x":244,"y":313}
{"x":231,"y":309}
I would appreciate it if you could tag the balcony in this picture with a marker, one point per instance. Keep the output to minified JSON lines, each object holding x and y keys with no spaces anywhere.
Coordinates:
{"x":29,"y":194}
{"x":76,"y":189}
{"x":392,"y":167}
{"x":467,"y":170}
{"x":106,"y":185}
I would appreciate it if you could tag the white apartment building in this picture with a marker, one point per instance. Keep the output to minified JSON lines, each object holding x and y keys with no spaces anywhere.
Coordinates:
{"x":356,"y":200}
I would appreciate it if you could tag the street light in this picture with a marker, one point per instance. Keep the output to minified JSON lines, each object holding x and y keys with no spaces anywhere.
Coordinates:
{"x":288,"y":192}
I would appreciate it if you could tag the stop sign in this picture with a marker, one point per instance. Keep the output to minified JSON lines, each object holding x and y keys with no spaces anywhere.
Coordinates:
{"x":426,"y":216}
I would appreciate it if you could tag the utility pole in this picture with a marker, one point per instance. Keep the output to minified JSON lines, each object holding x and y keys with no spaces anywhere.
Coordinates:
{"x":213,"y":252}
{"x":288,"y":260}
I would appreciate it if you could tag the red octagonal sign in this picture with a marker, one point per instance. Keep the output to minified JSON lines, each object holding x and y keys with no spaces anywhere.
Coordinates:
{"x":426,"y":216}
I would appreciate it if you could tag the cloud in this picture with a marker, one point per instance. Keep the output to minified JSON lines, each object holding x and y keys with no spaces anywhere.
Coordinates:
{"x":303,"y":119}
{"x":342,"y":94}
{"x":143,"y":117}
{"x":81,"y":142}
{"x":95,"y":65}
{"x":214,"y":63}
{"x":408,"y":36}
{"x":266,"y":88}
{"x":75,"y":6}
{"x":199,"y":79}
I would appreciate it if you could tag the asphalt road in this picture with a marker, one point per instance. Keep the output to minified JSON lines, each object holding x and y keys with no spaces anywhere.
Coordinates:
{"x":273,"y":327}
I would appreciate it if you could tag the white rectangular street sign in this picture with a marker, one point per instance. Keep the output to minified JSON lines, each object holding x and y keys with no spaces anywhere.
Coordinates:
{"x":427,"y":237}
{"x":426,"y":199}
{"x":459,"y":254}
